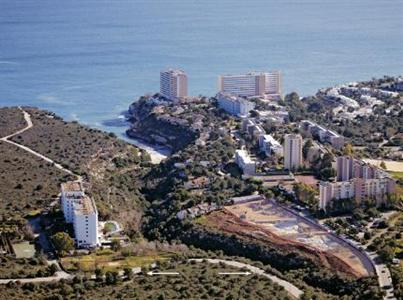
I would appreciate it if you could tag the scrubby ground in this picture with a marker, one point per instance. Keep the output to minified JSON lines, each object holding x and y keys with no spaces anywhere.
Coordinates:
{"x":11,"y":120}
{"x":194,"y":281}
{"x":110,"y":166}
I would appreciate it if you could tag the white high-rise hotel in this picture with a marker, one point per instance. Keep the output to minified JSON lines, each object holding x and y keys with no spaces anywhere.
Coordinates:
{"x":292,"y":151}
{"x":173,"y":84}
{"x":251,"y":84}
{"x":80,"y":210}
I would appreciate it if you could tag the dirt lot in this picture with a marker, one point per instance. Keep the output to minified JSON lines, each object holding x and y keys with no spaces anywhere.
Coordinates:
{"x":391,"y":165}
{"x":269,"y":222}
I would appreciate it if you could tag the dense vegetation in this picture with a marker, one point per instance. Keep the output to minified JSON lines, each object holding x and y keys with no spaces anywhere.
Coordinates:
{"x":367,"y":131}
{"x":11,"y":267}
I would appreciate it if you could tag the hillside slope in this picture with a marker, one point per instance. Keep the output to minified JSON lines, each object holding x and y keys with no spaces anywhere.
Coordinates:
{"x":109,"y":166}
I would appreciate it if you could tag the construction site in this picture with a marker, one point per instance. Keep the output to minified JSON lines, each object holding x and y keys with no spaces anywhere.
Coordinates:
{"x":286,"y":224}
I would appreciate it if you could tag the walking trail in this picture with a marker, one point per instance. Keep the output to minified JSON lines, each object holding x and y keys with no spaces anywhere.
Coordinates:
{"x":28,"y":120}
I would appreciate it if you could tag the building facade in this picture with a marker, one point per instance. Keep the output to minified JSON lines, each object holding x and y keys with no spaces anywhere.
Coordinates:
{"x":292,"y":152}
{"x":347,"y":167}
{"x":234,"y":105}
{"x":357,"y":189}
{"x":86,"y":223}
{"x":81,"y":211}
{"x":323,"y":134}
{"x":173,"y":84}
{"x":70,"y":192}
{"x":251,"y":84}
{"x":269,"y":145}
{"x":244,"y":162}
{"x":273,"y":83}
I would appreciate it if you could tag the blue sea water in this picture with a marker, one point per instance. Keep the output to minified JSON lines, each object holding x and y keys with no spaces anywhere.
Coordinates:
{"x":88,"y":60}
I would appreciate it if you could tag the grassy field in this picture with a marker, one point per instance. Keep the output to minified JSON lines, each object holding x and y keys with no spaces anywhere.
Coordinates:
{"x":397,"y":175}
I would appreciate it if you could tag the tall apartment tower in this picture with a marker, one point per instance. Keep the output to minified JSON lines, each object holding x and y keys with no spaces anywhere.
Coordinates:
{"x":173,"y":84}
{"x":273,"y":83}
{"x":81,"y":211}
{"x":250,"y":84}
{"x":71,"y":192}
{"x":85,"y":223}
{"x":344,"y":168}
{"x":292,"y":151}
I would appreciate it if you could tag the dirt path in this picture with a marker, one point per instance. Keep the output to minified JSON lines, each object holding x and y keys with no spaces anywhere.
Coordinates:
{"x":289,"y":287}
{"x":58,"y":276}
{"x":28,"y":120}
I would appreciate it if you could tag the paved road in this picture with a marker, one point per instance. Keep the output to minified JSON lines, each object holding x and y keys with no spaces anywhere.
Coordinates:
{"x":28,"y":120}
{"x":290,"y":288}
{"x":384,"y":278}
{"x":381,"y":270}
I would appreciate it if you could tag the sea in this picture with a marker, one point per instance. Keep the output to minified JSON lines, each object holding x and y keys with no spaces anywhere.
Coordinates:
{"x":89,"y":60}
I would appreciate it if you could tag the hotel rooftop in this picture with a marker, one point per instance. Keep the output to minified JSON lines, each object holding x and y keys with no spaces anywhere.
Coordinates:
{"x":84,"y":206}
{"x":72,"y":186}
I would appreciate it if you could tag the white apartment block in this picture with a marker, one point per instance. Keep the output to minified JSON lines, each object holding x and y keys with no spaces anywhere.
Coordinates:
{"x":251,"y":84}
{"x":71,"y":191}
{"x":292,"y":151}
{"x":234,"y":105}
{"x":273,"y":83}
{"x":323,"y":134}
{"x":270,"y":146}
{"x":80,"y":210}
{"x":86,"y":223}
{"x":173,"y":84}
{"x":244,"y":161}
{"x":357,"y":189}
{"x":253,"y":129}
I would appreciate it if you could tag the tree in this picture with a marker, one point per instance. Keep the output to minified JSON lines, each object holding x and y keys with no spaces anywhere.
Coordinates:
{"x":99,"y":274}
{"x":305,"y":193}
{"x":348,"y":150}
{"x":115,"y":245}
{"x":383,"y":165}
{"x":128,"y":273}
{"x":308,"y":144}
{"x":62,"y":242}
{"x":386,"y":253}
{"x":111,"y":277}
{"x":53,"y":268}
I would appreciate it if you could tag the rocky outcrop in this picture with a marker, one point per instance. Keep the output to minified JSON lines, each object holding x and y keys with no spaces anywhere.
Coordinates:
{"x":155,"y":123}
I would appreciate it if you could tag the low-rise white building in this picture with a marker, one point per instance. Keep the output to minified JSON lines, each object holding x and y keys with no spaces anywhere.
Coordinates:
{"x":245,"y":162}
{"x":323,"y":134}
{"x":234,"y":105}
{"x":269,"y":145}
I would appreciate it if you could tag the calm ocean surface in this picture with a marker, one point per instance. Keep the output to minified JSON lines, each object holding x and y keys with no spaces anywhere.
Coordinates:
{"x":88,"y":60}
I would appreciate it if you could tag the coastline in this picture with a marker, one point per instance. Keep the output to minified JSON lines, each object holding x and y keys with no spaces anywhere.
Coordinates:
{"x":157,"y":152}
